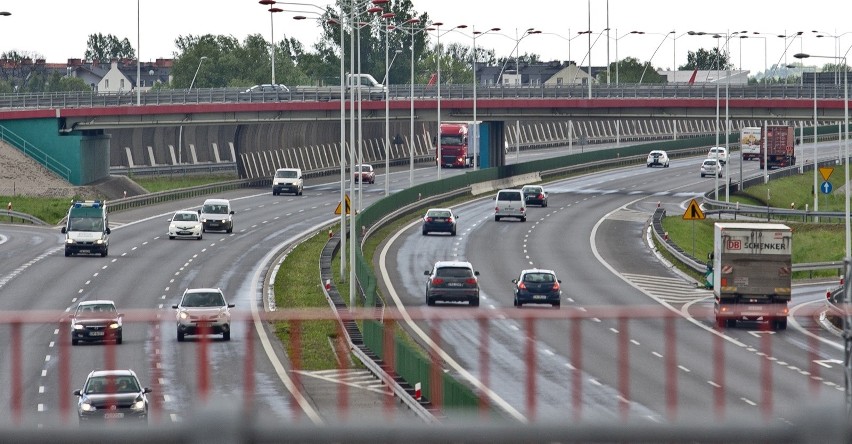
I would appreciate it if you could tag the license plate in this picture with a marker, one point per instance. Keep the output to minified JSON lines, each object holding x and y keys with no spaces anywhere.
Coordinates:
{"x":113,"y":415}
{"x":540,"y":296}
{"x":454,"y":284}
{"x":96,"y":333}
{"x":184,"y":233}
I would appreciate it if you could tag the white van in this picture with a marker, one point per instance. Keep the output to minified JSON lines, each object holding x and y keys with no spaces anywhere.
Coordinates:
{"x":217,"y":215}
{"x":287,"y":180}
{"x":86,"y":228}
{"x":510,"y":203}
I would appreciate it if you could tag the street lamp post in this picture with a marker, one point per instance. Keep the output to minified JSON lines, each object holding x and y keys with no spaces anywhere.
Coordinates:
{"x":527,"y":32}
{"x":272,"y":10}
{"x":475,"y":82}
{"x":717,"y":36}
{"x":411,"y":22}
{"x":665,"y":36}
{"x":765,"y":67}
{"x":617,"y":38}
{"x":847,"y":287}
{"x":439,"y":53}
{"x":180,"y":130}
{"x":388,"y":28}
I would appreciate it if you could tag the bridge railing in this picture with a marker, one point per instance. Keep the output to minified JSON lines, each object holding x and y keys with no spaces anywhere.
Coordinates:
{"x":16,"y":101}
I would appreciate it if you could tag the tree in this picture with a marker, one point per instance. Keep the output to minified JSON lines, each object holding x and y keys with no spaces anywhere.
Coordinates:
{"x":103,"y":48}
{"x":707,"y":60}
{"x":630,"y":70}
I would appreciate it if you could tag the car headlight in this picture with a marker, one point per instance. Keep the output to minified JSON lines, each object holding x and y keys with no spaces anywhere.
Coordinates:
{"x":138,"y":405}
{"x":77,"y":327}
{"x":204,"y":220}
{"x":114,"y":325}
{"x":99,"y":241}
{"x":87,"y":407}
{"x":70,"y":241}
{"x":183,"y":315}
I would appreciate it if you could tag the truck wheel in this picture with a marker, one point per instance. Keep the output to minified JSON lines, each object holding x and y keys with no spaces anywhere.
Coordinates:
{"x":721,"y":323}
{"x":780,"y":324}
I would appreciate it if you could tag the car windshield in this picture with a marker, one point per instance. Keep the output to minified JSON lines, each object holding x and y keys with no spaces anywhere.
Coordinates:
{"x":451,"y":140}
{"x":207,"y":299}
{"x":709,"y":163}
{"x":215,"y":209}
{"x":288,"y":174}
{"x":532,"y":190}
{"x":86,"y":224}
{"x":96,"y":309}
{"x":454,"y":272}
{"x":185,"y":217}
{"x":363,"y":168}
{"x":538,"y":277}
{"x":111,"y":384}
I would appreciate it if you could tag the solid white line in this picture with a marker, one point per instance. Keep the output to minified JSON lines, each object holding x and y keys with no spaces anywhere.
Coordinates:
{"x":428,"y":340}
{"x":261,"y":332}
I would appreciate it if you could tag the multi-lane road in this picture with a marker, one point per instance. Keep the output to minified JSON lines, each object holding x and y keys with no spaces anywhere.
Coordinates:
{"x":592,"y":234}
{"x":616,"y":363}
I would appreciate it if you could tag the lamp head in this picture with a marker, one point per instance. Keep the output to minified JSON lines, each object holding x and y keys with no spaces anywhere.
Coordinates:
{"x":801,"y":55}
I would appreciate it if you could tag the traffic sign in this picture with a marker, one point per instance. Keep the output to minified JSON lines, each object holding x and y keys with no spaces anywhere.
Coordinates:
{"x":693,"y":211}
{"x":825,"y":187}
{"x":348,"y":206}
{"x":825,"y":172}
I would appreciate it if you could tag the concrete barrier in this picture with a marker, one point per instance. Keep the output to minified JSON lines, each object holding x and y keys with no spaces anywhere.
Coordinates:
{"x":508,"y":182}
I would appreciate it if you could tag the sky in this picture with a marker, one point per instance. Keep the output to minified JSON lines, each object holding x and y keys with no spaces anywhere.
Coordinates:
{"x":58,"y":30}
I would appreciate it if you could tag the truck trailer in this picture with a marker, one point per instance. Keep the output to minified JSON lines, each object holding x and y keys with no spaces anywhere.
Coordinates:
{"x":752,"y":273}
{"x":777,"y":149}
{"x":750,"y":142}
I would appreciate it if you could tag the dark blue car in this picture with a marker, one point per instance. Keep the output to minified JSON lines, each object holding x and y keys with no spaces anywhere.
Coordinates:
{"x":536,"y":286}
{"x":439,"y":220}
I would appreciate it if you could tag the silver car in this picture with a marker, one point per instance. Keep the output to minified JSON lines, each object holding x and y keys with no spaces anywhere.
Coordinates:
{"x":711,"y":167}
{"x":203,"y":311}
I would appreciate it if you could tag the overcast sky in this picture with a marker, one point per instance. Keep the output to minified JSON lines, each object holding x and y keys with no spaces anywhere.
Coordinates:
{"x":58,"y":30}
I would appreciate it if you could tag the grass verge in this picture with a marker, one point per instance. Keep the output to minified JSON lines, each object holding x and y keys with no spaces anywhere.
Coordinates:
{"x":177,"y":181}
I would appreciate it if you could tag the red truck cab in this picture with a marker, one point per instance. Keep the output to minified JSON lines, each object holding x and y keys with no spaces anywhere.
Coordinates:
{"x":454,"y":150}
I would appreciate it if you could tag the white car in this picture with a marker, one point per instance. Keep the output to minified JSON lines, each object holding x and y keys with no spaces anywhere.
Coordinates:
{"x":718,"y":152}
{"x":658,"y":158}
{"x":185,"y":224}
{"x":203,"y":311}
{"x":711,"y":167}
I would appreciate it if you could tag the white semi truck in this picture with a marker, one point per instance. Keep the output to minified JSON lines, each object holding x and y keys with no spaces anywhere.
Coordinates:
{"x":752,"y":273}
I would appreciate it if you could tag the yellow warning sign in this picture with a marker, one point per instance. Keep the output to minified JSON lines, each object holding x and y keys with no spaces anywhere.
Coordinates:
{"x":693,"y":211}
{"x":348,"y":206}
{"x":825,"y":172}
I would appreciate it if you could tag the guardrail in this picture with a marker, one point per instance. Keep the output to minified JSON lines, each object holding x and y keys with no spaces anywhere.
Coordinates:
{"x":76,"y":99}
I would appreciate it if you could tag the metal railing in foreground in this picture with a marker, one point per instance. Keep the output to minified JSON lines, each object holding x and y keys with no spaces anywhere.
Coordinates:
{"x":576,"y":388}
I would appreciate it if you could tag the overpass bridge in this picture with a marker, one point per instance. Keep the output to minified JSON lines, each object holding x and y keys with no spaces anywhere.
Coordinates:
{"x":87,"y":133}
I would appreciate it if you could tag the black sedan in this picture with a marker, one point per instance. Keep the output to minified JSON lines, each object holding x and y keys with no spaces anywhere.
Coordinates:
{"x":96,"y":321}
{"x":112,"y":395}
{"x":440,"y":220}
{"x":537,"y":286}
{"x":535,"y":195}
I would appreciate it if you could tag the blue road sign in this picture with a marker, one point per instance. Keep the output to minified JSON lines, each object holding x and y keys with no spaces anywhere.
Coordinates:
{"x":825,"y":187}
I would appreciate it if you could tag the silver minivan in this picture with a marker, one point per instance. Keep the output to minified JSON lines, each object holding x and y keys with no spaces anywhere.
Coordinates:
{"x":510,"y":203}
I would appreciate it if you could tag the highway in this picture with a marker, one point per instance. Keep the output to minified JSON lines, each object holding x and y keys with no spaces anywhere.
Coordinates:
{"x":592,"y":227}
{"x":610,"y":364}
